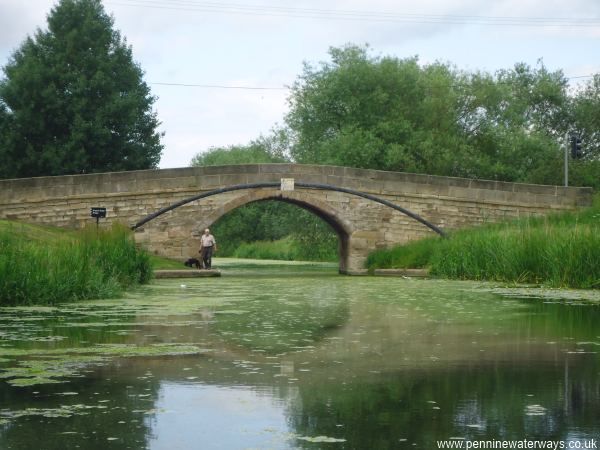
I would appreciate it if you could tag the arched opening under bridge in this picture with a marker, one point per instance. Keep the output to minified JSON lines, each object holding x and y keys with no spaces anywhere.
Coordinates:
{"x":327,"y":218}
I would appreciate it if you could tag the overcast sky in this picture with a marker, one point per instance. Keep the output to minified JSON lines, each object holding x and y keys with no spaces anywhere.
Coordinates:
{"x":262,"y":44}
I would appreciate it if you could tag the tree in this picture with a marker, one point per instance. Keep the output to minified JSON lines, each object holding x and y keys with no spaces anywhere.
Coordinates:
{"x":514,"y":120}
{"x":6,"y":164}
{"x":396,"y":114}
{"x":378,"y":113}
{"x":586,"y":112}
{"x":234,"y":154}
{"x":75,"y":101}
{"x":265,"y":149}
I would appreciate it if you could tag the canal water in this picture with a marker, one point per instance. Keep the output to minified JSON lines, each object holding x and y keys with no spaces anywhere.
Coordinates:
{"x":296,"y":356}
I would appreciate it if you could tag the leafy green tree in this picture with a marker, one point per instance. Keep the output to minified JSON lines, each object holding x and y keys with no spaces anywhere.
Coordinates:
{"x":75,"y":101}
{"x":6,"y":164}
{"x":583,"y":172}
{"x":586,"y":117}
{"x":379,"y":113}
{"x":395,"y":114}
{"x":272,"y":148}
{"x":234,"y":154}
{"x":514,"y":120}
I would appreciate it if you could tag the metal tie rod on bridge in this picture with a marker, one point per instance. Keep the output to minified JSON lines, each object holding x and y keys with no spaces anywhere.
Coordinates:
{"x":328,"y":187}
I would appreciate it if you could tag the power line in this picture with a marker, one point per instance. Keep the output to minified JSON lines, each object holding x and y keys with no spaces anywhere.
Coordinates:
{"x":357,"y":15}
{"x":219,"y":86}
{"x":284,"y":88}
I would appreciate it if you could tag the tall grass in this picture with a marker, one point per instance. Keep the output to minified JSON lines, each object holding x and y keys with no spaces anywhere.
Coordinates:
{"x":559,"y":256}
{"x":287,"y":249}
{"x":88,"y":265}
{"x":560,"y":250}
{"x":415,"y":255}
{"x":282,"y":249}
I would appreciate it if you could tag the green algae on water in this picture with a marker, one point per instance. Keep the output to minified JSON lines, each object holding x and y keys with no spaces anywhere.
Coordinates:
{"x":24,"y":382}
{"x":63,"y":411}
{"x":58,"y":364}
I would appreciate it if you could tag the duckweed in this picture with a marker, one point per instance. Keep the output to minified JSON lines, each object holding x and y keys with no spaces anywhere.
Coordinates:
{"x":59,"y":364}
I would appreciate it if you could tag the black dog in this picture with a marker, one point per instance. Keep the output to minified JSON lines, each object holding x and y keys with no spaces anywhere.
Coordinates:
{"x":193,"y":262}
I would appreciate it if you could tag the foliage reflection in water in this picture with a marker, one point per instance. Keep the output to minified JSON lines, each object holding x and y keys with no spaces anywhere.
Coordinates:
{"x":299,"y":358}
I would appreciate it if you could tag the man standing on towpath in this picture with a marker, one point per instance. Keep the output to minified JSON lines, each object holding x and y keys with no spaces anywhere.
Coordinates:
{"x":207,"y":245}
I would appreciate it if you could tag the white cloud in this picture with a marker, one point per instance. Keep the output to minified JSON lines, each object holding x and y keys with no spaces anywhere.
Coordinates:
{"x":19,"y":19}
{"x":200,"y":47}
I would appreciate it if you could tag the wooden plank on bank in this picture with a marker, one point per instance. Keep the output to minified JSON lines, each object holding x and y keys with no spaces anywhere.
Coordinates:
{"x":186,"y":273}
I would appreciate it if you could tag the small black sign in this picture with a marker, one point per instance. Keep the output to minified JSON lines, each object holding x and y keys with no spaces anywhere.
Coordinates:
{"x":98,"y":212}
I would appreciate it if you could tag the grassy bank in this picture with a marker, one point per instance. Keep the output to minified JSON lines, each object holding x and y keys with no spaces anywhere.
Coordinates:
{"x":40,"y":265}
{"x":560,"y":250}
{"x":287,"y":249}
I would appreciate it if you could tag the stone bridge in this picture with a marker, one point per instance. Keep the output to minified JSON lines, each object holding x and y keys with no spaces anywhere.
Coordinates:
{"x":362,"y":225}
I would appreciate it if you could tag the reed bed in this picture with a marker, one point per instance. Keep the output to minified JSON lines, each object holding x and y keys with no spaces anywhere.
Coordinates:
{"x":56,"y":268}
{"x":561,"y":250}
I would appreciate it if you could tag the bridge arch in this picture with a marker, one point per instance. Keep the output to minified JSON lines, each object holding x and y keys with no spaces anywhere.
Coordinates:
{"x":302,"y":185}
{"x":326,"y":211}
{"x":354,"y":246}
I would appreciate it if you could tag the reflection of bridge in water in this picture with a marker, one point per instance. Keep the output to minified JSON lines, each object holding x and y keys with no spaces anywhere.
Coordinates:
{"x":368,"y":209}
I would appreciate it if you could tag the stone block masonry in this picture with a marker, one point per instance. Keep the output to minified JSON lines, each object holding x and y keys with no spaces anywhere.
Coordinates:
{"x":361,"y":224}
